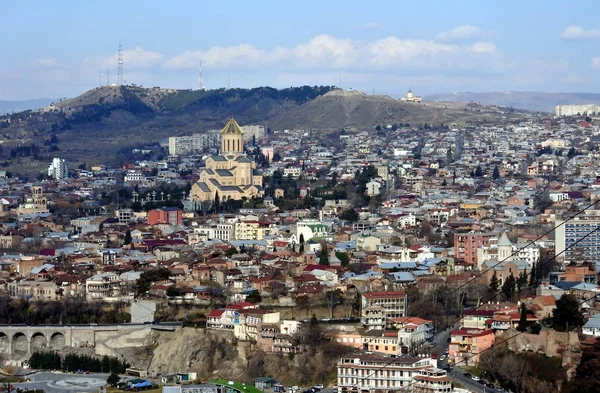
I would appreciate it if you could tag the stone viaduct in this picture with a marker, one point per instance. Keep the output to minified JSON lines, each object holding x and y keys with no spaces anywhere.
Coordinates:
{"x":18,"y":342}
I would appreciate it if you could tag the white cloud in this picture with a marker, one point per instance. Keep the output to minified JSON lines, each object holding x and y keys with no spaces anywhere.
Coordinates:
{"x":483,"y":47}
{"x":464,"y":32}
{"x":327,"y":52}
{"x":45,"y":63}
{"x":133,"y":59}
{"x":596,"y":62}
{"x":578,"y":32}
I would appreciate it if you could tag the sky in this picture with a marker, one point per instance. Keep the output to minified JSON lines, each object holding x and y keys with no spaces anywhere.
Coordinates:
{"x":63,"y":48}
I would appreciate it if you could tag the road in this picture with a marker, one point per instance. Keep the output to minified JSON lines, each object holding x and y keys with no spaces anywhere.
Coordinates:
{"x":63,"y":382}
{"x":457,"y":375}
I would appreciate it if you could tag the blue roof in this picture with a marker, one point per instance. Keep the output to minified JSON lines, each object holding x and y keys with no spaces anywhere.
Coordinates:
{"x":403,"y":276}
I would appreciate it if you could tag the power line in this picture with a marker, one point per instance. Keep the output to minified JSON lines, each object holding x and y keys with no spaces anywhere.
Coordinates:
{"x":394,"y":360}
{"x":496,"y":344}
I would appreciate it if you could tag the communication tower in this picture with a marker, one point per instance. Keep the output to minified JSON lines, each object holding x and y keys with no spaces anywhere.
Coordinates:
{"x":200,"y":81}
{"x":120,"y":66}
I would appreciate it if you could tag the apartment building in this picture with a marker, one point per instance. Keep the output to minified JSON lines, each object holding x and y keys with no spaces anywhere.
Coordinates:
{"x":221,"y":231}
{"x":165,"y":215}
{"x":104,"y":286}
{"x":569,"y":232}
{"x":374,"y":373}
{"x":412,"y":331}
{"x":377,"y":308}
{"x":466,"y":245}
{"x":254,"y":230}
{"x":467,"y":344}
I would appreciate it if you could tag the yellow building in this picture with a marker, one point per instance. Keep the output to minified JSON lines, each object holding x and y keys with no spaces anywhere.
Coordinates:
{"x":34,"y":204}
{"x":231,"y":174}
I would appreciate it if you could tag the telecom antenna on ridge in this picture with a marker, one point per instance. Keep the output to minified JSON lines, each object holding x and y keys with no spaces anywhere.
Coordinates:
{"x":120,"y":66}
{"x":200,"y":81}
{"x":228,"y":80}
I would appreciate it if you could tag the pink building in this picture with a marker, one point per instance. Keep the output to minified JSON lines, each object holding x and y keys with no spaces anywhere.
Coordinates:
{"x":467,"y":344}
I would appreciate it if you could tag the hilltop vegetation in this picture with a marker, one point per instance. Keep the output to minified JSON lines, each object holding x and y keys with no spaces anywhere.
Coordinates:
{"x":104,"y":121}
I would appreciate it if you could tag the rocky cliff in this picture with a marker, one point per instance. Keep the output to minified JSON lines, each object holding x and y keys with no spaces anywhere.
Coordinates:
{"x":217,"y":354}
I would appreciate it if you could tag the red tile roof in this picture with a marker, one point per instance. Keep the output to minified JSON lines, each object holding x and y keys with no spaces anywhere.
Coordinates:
{"x":373,"y":295}
{"x":215,"y":313}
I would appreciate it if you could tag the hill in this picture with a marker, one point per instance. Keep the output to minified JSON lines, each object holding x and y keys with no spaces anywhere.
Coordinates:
{"x":355,"y":110}
{"x":105,"y":120}
{"x":528,"y":100}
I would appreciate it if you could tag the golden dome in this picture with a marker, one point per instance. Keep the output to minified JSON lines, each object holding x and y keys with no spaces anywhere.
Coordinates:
{"x":232,"y":127}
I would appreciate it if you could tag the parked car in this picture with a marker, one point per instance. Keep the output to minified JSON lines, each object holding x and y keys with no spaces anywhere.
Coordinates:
{"x":467,"y":375}
{"x":475,"y":378}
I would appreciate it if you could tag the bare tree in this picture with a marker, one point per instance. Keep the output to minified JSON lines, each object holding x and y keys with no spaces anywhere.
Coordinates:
{"x":514,"y":368}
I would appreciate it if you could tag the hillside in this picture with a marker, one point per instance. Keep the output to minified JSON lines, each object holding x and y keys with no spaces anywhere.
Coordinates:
{"x":104,"y":120}
{"x":528,"y":100}
{"x":354,"y":110}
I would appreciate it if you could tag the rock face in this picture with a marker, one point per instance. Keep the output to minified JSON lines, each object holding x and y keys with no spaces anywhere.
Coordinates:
{"x":207,"y":352}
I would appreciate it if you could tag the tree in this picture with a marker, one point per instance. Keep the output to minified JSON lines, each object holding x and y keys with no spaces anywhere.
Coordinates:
{"x":494,"y":283}
{"x":127,"y":239}
{"x":343,"y":257}
{"x":522,"y":280}
{"x":567,"y":314}
{"x":113,"y":379}
{"x":301,"y":250}
{"x":523,"y":320}
{"x":587,"y":375}
{"x":533,"y":277}
{"x":302,"y":238}
{"x":217,"y":201}
{"x":333,"y":298}
{"x":496,"y":173}
{"x":324,"y":257}
{"x":508,"y":288}
{"x":303,"y":302}
{"x":173,"y":291}
{"x":478,"y":171}
{"x":254,"y":297}
{"x":350,"y":215}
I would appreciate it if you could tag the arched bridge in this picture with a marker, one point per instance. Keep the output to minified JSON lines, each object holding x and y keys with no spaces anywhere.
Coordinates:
{"x":20,"y":341}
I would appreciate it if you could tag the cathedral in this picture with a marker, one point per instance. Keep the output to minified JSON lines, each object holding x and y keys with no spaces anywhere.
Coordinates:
{"x":230,"y":174}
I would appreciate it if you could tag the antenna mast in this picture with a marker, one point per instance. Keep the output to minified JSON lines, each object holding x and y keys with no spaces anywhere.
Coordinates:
{"x":107,"y":77}
{"x":200,"y":81}
{"x":120,"y":65}
{"x":228,"y":80}
{"x":99,"y":77}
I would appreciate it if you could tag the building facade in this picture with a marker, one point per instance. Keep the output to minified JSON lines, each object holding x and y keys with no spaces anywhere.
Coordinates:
{"x":231,"y":174}
{"x":373,"y":373}
{"x":58,"y":169}
{"x":165,"y":215}
{"x":380,"y":307}
{"x":570,"y":244}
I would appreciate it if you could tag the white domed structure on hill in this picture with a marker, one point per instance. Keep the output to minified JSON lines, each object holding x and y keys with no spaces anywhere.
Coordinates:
{"x":410,"y":97}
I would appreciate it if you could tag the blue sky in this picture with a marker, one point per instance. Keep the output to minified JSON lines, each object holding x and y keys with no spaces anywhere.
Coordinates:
{"x":56,"y":49}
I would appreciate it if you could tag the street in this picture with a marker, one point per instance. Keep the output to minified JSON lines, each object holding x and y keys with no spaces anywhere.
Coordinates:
{"x":457,"y":375}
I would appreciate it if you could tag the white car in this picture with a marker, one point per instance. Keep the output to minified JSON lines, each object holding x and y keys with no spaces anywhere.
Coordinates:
{"x":475,"y":378}
{"x":443,"y":357}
